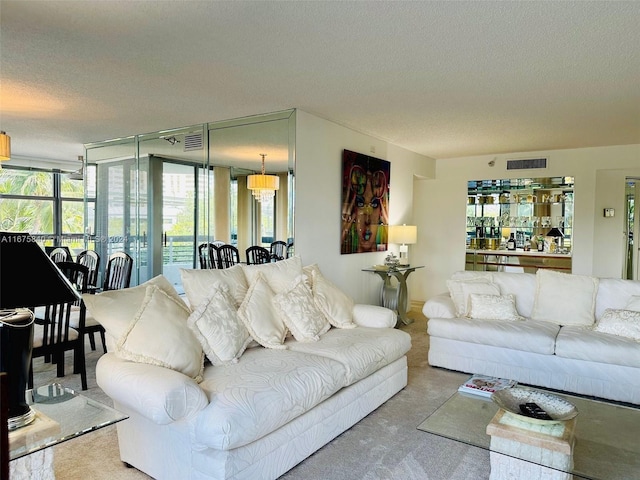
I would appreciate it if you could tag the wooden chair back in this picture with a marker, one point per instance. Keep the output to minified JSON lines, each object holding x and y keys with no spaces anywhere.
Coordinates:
{"x":118,"y":272}
{"x":257,"y":255}
{"x":91,"y":260}
{"x":228,"y":256}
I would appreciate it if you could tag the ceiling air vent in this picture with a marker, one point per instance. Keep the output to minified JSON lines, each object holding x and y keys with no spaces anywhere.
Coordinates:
{"x":526,"y":163}
{"x":193,"y":141}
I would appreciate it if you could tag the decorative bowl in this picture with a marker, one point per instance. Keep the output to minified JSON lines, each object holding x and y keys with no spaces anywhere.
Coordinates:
{"x":558,"y":408}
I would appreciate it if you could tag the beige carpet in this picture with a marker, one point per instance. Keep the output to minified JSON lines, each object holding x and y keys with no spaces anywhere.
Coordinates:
{"x":383,"y":446}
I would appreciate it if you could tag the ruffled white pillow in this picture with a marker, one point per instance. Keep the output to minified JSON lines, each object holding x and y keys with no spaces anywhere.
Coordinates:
{"x":493,"y":307}
{"x":259,"y":315}
{"x":197,"y":283}
{"x":279,"y":275}
{"x":336,"y":305}
{"x":624,"y":323}
{"x":216,"y":325}
{"x":159,"y":335}
{"x":461,"y":289}
{"x":299,"y":312}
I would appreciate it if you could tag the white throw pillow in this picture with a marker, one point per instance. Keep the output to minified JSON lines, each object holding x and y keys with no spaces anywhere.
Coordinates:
{"x":197,"y":283}
{"x":460,"y":290}
{"x":216,"y":325}
{"x":115,"y":309}
{"x":564,"y":298}
{"x":493,"y":307}
{"x":299,"y":312}
{"x":336,"y":305}
{"x":159,"y":335}
{"x":624,"y":323}
{"x":260,"y":317}
{"x":633,"y":304}
{"x":279,"y":275}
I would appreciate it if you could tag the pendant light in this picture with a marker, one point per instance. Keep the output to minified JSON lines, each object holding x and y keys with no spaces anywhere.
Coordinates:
{"x":263,"y":187}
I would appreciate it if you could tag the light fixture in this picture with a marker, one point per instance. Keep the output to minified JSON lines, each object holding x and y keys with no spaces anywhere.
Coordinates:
{"x":5,"y":146}
{"x":404,"y":235}
{"x":263,"y":187}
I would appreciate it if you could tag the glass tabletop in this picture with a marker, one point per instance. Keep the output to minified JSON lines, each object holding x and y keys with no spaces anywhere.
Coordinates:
{"x":605,"y":445}
{"x":61,"y":414}
{"x":387,"y":268}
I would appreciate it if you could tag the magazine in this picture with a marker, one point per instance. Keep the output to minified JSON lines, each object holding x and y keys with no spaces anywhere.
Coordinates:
{"x":484,"y":385}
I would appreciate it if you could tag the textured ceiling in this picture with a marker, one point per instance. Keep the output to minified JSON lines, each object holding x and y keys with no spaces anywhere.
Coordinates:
{"x":443,"y":79}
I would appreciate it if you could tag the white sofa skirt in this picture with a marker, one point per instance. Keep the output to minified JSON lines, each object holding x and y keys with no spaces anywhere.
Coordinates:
{"x":170,"y":454}
{"x":614,"y":382}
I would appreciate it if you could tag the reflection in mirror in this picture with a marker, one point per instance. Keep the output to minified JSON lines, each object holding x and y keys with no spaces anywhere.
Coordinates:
{"x":161,"y":194}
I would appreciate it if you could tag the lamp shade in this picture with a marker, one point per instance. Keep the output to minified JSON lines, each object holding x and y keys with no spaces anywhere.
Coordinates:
{"x":555,"y":232}
{"x":5,"y":146}
{"x":404,"y":234}
{"x":28,"y":277}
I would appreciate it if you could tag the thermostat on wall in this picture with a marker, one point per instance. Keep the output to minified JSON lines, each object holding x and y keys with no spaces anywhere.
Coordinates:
{"x":609,"y":212}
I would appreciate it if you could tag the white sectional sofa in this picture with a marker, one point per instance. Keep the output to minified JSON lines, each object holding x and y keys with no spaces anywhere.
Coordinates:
{"x":264,"y":411}
{"x":568,"y":332}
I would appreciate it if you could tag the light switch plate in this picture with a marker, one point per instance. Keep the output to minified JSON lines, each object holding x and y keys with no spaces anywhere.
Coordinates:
{"x":609,"y":212}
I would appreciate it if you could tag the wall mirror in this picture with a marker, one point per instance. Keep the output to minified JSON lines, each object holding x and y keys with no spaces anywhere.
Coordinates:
{"x":159,"y":195}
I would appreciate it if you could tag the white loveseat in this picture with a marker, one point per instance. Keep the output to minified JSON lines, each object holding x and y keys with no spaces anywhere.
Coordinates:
{"x":263,"y":412}
{"x":577,"y":333}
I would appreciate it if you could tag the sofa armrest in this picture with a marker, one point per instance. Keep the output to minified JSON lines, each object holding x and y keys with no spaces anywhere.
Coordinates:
{"x":440,"y":306}
{"x":374,"y":316}
{"x":160,"y":394}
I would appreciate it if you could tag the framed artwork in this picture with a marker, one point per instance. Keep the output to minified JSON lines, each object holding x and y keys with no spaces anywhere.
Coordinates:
{"x":365,"y":203}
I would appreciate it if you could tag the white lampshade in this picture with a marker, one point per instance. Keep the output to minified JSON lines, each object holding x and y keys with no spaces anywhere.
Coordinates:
{"x":5,"y":147}
{"x":263,"y":187}
{"x":403,"y":234}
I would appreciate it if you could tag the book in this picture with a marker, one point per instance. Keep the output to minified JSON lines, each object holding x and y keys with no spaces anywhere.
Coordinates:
{"x":484,"y":385}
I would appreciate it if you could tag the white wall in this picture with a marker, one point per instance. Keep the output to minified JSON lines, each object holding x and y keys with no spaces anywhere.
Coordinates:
{"x":439,"y":209}
{"x":319,"y":146}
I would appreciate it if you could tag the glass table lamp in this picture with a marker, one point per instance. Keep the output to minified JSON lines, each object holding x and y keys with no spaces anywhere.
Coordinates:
{"x":28,"y":279}
{"x":405,"y":235}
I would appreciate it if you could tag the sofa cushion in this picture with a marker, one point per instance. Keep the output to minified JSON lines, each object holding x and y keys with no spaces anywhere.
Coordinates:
{"x":216,"y":325}
{"x":297,"y":309}
{"x":361,"y":350}
{"x":263,"y":391}
{"x":336,"y":305}
{"x":493,"y":307}
{"x":529,"y":335}
{"x":159,"y":335}
{"x":279,"y":275}
{"x":564,"y":298}
{"x":259,"y":315}
{"x":521,"y":285}
{"x":197,"y":283}
{"x":624,"y":323}
{"x":582,"y":343}
{"x":461,"y":289}
{"x":615,"y":293}
{"x":115,"y":309}
{"x":633,"y":303}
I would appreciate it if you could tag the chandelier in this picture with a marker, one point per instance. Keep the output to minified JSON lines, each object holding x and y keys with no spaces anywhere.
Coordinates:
{"x":263,"y":187}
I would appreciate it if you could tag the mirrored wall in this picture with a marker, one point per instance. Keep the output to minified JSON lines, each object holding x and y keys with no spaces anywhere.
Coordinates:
{"x":161,"y":194}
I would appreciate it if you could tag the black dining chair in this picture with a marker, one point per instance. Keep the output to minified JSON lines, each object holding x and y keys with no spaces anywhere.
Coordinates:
{"x":257,"y":255}
{"x":290,"y":250}
{"x":228,"y":256}
{"x":208,"y":255}
{"x":61,"y":328}
{"x":60,"y":254}
{"x":118,"y":272}
{"x":278,"y":250}
{"x":91,"y":260}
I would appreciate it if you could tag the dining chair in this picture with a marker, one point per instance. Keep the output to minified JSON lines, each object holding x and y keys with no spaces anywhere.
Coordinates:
{"x":208,"y":255}
{"x":278,"y":250}
{"x":91,"y":260}
{"x":228,"y":256}
{"x":60,"y":254}
{"x":118,"y":272}
{"x":290,"y":250}
{"x":257,"y":255}
{"x":54,"y":334}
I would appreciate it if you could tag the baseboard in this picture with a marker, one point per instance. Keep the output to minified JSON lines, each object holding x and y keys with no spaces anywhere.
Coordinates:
{"x":416,"y":306}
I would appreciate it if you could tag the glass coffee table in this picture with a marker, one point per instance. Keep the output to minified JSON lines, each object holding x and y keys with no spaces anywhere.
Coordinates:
{"x":61,"y":415}
{"x":604,"y":442}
